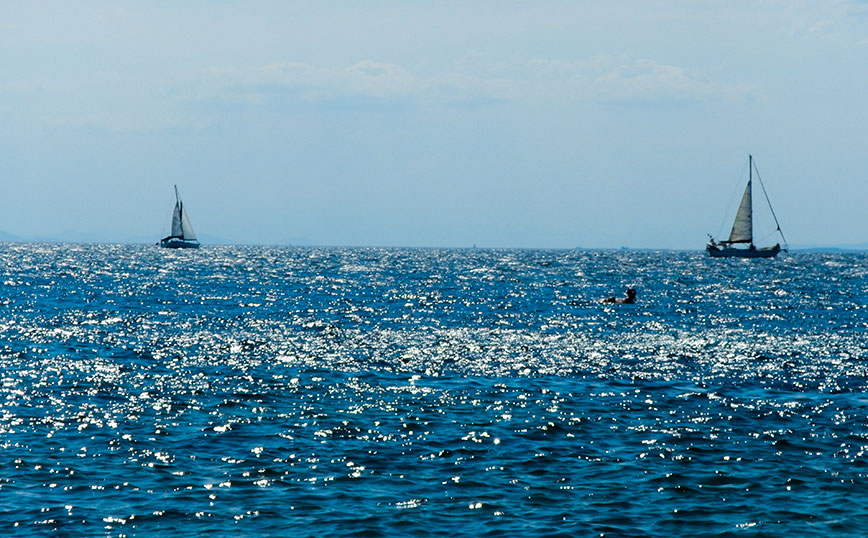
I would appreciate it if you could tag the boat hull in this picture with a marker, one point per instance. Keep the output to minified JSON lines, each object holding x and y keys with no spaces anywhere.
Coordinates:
{"x":177,"y":242}
{"x":729,"y":252}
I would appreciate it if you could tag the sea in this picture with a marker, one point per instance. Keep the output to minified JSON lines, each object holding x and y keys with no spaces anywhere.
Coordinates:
{"x":378,"y":392}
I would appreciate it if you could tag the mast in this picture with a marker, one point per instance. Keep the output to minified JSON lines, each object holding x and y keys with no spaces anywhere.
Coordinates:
{"x":750,"y":187}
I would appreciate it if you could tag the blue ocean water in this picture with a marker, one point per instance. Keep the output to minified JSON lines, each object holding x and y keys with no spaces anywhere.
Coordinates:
{"x":255,"y":391}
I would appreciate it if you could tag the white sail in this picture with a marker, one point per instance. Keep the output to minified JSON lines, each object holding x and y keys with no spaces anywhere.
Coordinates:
{"x":187,"y":228}
{"x":177,"y":227}
{"x":742,"y":228}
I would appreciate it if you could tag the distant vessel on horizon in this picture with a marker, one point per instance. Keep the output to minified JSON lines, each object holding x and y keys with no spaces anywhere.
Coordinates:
{"x":182,"y":235}
{"x":742,"y":228}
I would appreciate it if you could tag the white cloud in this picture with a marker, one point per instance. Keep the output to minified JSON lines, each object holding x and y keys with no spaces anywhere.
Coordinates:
{"x":646,"y":80}
{"x":365,"y":79}
{"x":153,"y":102}
{"x":603,"y":80}
{"x":382,"y":80}
{"x":610,"y":80}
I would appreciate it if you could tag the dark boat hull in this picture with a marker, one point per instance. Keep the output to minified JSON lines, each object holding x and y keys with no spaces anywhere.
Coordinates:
{"x":177,"y":242}
{"x":729,"y":252}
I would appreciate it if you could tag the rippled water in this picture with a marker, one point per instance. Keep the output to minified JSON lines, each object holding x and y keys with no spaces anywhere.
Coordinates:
{"x":253,"y":391}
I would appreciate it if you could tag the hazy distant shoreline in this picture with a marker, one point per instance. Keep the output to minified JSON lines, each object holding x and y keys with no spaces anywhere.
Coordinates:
{"x":217,"y":241}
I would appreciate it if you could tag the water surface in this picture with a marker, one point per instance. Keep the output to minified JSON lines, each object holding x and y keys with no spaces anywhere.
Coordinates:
{"x":254,"y":391}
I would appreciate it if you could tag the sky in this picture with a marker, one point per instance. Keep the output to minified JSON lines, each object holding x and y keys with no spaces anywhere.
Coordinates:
{"x":496,"y":123}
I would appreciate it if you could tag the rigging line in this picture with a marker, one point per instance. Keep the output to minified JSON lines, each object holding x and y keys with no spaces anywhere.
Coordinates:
{"x":765,"y":237}
{"x":778,"y":224}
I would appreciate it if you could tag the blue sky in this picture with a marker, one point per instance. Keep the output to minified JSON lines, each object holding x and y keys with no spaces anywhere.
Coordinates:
{"x":507,"y":123}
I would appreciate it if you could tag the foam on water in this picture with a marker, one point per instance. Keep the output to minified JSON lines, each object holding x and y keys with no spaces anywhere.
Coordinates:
{"x":383,"y":392}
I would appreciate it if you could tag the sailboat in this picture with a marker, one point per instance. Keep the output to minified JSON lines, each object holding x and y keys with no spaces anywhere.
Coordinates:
{"x":182,"y":235}
{"x":742,"y":228}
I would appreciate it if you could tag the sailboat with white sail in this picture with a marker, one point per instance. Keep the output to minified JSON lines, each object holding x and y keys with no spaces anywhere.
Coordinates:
{"x":742,"y":227}
{"x":182,"y":235}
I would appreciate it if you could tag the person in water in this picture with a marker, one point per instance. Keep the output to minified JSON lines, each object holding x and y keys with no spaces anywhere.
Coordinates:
{"x":629,"y":299}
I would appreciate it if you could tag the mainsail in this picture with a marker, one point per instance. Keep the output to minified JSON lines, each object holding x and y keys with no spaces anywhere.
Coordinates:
{"x":742,"y":228}
{"x":177,"y":228}
{"x":181,"y":226}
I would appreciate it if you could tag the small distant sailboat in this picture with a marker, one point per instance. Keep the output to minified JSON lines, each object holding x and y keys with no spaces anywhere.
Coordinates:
{"x":182,"y":235}
{"x":742,"y":228}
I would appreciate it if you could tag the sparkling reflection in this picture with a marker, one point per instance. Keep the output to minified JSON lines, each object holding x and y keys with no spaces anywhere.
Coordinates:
{"x":244,"y":389}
